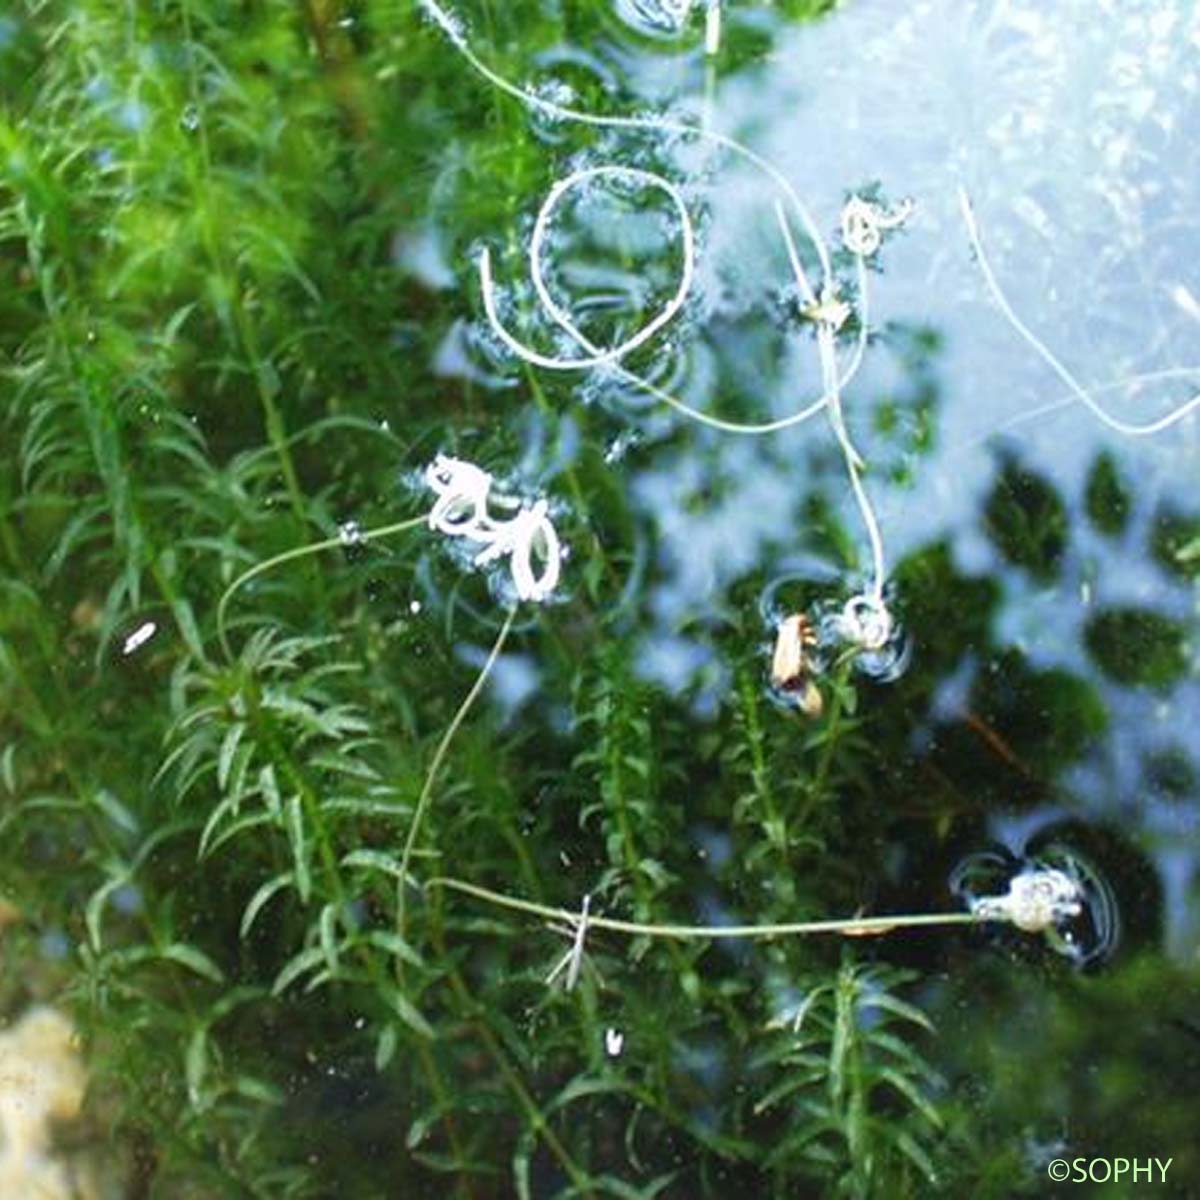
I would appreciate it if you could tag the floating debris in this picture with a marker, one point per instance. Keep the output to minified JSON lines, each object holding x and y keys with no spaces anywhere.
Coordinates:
{"x":793,"y":665}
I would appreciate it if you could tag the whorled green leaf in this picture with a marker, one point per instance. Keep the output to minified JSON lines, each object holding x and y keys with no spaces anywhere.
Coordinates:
{"x":297,"y":838}
{"x":261,"y":898}
{"x":195,"y":960}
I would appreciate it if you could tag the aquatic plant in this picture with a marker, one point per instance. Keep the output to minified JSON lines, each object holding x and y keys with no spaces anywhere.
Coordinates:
{"x":287,"y":798}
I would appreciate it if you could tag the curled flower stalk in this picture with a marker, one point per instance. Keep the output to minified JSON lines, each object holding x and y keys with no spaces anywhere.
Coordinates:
{"x":462,"y":510}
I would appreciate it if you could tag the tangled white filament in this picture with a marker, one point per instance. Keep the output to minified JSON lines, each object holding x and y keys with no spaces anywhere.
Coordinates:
{"x":453,"y":29}
{"x":864,"y":220}
{"x":1165,"y":422}
{"x":560,"y":318}
{"x":825,"y":308}
{"x":613,"y":356}
{"x":461,"y":510}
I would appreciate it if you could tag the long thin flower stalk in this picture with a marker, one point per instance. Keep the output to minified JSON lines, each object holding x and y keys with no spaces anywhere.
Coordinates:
{"x":435,"y":764}
{"x":359,"y":537}
{"x":846,"y":926}
{"x":1046,"y":354}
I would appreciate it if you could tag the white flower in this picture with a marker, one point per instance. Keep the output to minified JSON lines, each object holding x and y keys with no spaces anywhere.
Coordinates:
{"x":529,"y":537}
{"x":866,"y":622}
{"x":1036,"y":901}
{"x":863,"y":223}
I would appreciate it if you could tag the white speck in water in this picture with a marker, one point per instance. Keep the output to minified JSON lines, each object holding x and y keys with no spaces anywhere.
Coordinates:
{"x":139,"y":637}
{"x":1186,"y":301}
{"x":351,"y":533}
{"x":619,"y":447}
{"x":614,"y":1042}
